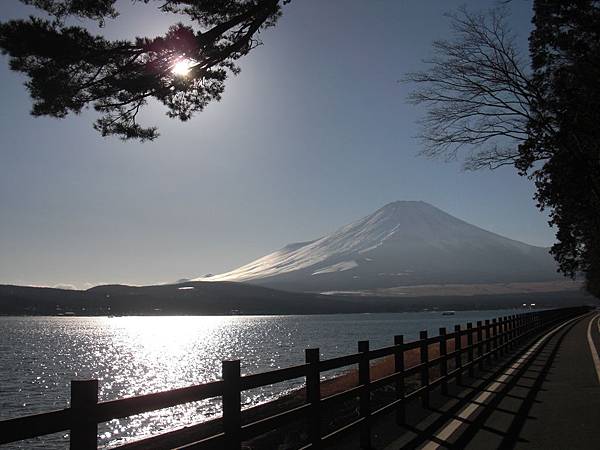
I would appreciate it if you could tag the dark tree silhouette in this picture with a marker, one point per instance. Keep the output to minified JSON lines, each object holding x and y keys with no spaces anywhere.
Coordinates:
{"x":69,"y":69}
{"x":565,"y":51}
{"x":540,"y":115}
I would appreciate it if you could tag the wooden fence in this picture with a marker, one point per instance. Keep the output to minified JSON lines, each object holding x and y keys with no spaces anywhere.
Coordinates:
{"x":487,"y":340}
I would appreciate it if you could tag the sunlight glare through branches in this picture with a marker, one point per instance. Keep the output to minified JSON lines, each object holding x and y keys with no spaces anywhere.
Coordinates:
{"x":182,"y":67}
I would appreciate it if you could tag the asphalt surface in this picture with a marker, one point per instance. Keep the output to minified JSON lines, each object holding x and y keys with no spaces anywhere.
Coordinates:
{"x":544,"y":396}
{"x":566,"y":411}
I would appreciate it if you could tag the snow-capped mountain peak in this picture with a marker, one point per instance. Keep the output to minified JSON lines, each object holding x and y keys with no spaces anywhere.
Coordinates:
{"x":402,"y":242}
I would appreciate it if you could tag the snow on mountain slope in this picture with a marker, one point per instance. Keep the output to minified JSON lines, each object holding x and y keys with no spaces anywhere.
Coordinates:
{"x":402,"y":243}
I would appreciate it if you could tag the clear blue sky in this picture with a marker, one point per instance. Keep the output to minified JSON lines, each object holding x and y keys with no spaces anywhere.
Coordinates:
{"x":314,"y":133}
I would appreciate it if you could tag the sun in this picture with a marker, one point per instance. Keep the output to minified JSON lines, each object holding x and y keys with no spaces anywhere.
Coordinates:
{"x":182,"y":67}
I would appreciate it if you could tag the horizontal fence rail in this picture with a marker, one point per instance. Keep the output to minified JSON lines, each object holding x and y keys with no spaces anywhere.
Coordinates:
{"x":466,"y":348}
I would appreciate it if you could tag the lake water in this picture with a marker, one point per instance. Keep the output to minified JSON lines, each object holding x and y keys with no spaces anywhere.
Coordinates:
{"x":136,"y":355}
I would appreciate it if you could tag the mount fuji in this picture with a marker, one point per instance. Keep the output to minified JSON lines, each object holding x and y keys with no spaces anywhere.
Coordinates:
{"x":405,"y":243}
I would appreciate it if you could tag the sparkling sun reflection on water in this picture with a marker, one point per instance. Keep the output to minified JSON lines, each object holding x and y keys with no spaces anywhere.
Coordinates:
{"x":137,"y":355}
{"x":133,"y":356}
{"x":176,"y":352}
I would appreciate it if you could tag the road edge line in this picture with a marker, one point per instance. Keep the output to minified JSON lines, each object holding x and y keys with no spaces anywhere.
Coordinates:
{"x":593,"y":349}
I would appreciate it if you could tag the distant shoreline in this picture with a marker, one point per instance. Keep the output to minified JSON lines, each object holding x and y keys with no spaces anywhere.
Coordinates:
{"x":232,"y":299}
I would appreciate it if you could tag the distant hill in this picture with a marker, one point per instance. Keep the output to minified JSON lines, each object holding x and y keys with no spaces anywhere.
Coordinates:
{"x":404,"y":243}
{"x":181,"y":298}
{"x":222,"y":298}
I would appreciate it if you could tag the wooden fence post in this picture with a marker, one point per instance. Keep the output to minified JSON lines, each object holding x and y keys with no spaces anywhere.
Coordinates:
{"x":495,"y":338}
{"x":506,"y":334}
{"x":313,"y":395}
{"x":519,"y":328}
{"x":531,"y":317}
{"x":470,"y":349}
{"x":424,"y":347}
{"x":399,"y":369}
{"x":488,"y":342}
{"x":500,"y":336}
{"x":509,"y":331}
{"x":480,"y":343}
{"x":444,"y":360}
{"x":232,"y":404}
{"x":513,"y":331}
{"x":458,"y":353}
{"x":84,"y":425}
{"x":364,"y":379}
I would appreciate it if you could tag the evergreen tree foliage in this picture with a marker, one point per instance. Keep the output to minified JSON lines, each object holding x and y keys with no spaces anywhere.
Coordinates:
{"x":564,"y":124}
{"x":68,"y":68}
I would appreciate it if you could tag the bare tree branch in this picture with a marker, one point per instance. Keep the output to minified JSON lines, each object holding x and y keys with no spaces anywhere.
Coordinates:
{"x":478,"y":93}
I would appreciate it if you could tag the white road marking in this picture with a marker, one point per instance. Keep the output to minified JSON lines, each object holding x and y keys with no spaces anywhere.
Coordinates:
{"x":593,"y":346}
{"x":470,"y":409}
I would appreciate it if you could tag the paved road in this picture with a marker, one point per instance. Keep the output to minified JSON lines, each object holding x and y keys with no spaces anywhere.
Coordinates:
{"x":547,"y":397}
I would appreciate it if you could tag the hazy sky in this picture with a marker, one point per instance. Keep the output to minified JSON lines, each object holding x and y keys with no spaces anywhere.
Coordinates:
{"x":314,"y":133}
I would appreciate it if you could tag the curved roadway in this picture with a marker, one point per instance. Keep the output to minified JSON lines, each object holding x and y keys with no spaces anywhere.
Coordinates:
{"x":547,"y":397}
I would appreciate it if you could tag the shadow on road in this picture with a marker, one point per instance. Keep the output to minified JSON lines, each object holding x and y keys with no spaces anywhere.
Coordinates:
{"x":497,"y":422}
